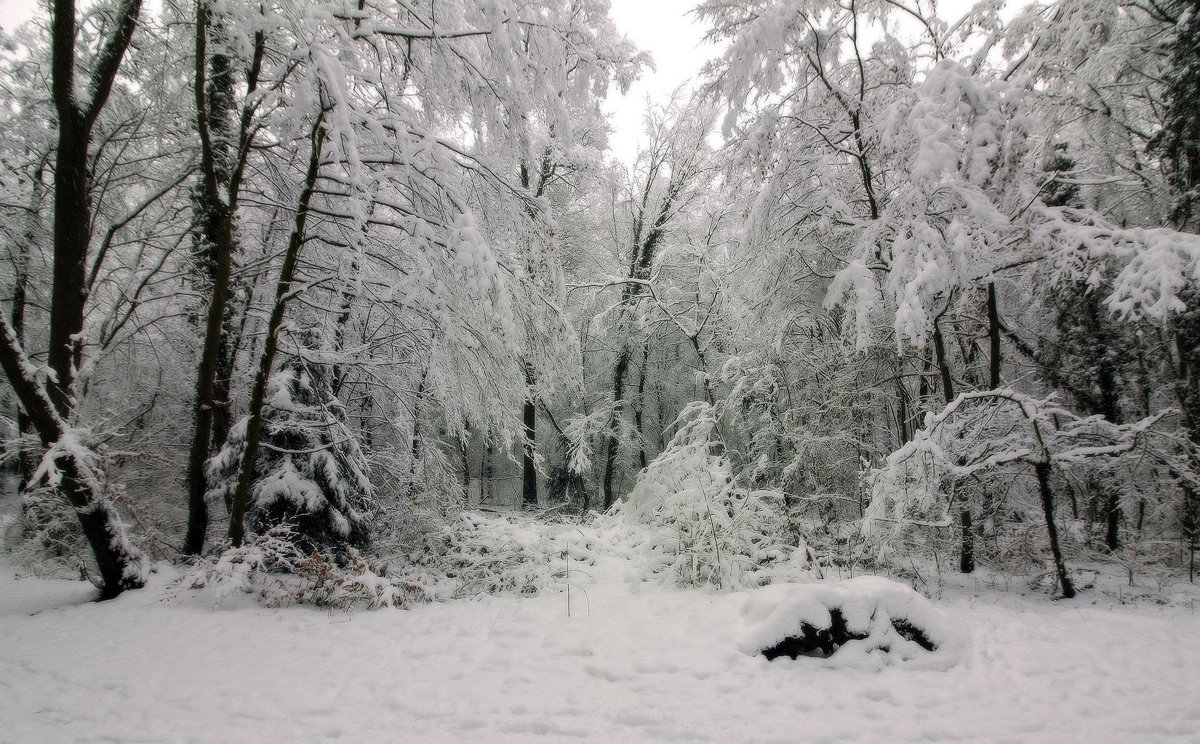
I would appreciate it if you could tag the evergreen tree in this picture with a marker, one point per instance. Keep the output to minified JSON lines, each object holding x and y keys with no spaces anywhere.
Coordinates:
{"x":1178,"y":142}
{"x":309,"y":472}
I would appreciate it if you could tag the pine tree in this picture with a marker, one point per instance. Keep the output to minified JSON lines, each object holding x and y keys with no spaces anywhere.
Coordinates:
{"x":1178,"y":143}
{"x":309,"y":472}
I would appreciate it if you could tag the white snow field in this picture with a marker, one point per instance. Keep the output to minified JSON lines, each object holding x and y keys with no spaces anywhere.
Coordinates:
{"x":632,"y":663}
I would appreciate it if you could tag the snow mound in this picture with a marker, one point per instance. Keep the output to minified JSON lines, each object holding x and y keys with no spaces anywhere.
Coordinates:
{"x":864,"y":623}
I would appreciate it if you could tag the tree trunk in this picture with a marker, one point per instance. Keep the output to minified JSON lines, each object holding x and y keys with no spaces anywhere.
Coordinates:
{"x":121,"y":566}
{"x":50,"y":408}
{"x":1042,"y":470}
{"x":241,"y":494}
{"x":487,"y":472}
{"x":216,"y":221}
{"x":993,"y":313}
{"x":638,"y":418}
{"x":233,"y":327}
{"x":25,"y":462}
{"x":614,"y":427}
{"x":529,"y":489}
{"x":966,"y":554}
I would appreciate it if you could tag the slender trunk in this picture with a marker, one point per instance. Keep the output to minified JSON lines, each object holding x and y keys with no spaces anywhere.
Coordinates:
{"x":463,"y":454}
{"x":614,"y":427}
{"x":529,"y":489}
{"x":283,"y":290}
{"x":25,"y":462}
{"x":638,"y":418}
{"x":943,"y":363}
{"x":966,"y":554}
{"x":993,"y":313}
{"x":1113,"y":514}
{"x":414,"y":442}
{"x":233,"y":328}
{"x":487,"y":472}
{"x":1042,"y":470}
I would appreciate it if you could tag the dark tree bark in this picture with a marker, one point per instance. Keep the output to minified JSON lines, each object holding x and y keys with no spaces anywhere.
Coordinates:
{"x":614,"y":428}
{"x":221,"y":168}
{"x":529,"y":487}
{"x":216,"y":220}
{"x":645,"y":245}
{"x":26,"y":461}
{"x":993,"y":314}
{"x":121,"y":566}
{"x":283,"y":291}
{"x":529,"y":484}
{"x":1042,"y":470}
{"x":72,"y":201}
{"x":639,"y":408}
{"x":50,"y":408}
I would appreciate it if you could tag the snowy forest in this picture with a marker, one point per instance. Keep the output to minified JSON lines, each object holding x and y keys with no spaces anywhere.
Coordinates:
{"x":880,"y":285}
{"x":350,"y":304}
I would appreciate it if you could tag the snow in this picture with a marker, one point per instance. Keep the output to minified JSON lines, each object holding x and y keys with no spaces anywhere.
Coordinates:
{"x":632,"y":662}
{"x":869,"y":605}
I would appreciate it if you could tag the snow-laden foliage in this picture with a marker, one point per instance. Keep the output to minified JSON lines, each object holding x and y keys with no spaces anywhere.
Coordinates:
{"x":310,"y":472}
{"x":1003,"y":436}
{"x":514,"y":554}
{"x":863,"y":623}
{"x":962,"y":141}
{"x":275,"y":572}
{"x":704,"y":526}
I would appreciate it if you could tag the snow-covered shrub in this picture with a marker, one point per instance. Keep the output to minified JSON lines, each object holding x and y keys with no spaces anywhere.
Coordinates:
{"x":310,"y":472}
{"x":866,"y":623}
{"x":44,"y":537}
{"x":513,"y":554}
{"x":417,"y":500}
{"x":703,"y":525}
{"x":278,"y":573}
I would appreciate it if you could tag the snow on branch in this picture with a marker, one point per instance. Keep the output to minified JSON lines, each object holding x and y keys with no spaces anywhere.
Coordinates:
{"x":983,"y":432}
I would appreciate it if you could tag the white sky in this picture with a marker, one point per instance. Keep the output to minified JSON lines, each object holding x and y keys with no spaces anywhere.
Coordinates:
{"x":663,"y":28}
{"x":15,"y":12}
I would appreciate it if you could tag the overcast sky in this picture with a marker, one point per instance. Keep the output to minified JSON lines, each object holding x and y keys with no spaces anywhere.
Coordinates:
{"x":15,"y":12}
{"x":666,"y":30}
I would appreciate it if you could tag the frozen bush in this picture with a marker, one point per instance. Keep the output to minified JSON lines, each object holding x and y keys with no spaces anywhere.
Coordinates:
{"x":703,"y":526}
{"x":511,"y":554}
{"x":276,"y":572}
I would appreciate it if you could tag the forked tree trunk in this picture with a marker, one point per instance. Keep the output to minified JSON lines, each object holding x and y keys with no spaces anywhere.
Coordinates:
{"x":50,"y":408}
{"x":220,"y":170}
{"x":216,"y":221}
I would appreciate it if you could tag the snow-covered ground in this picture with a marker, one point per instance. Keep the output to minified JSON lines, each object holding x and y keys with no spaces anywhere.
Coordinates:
{"x":631,"y":663}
